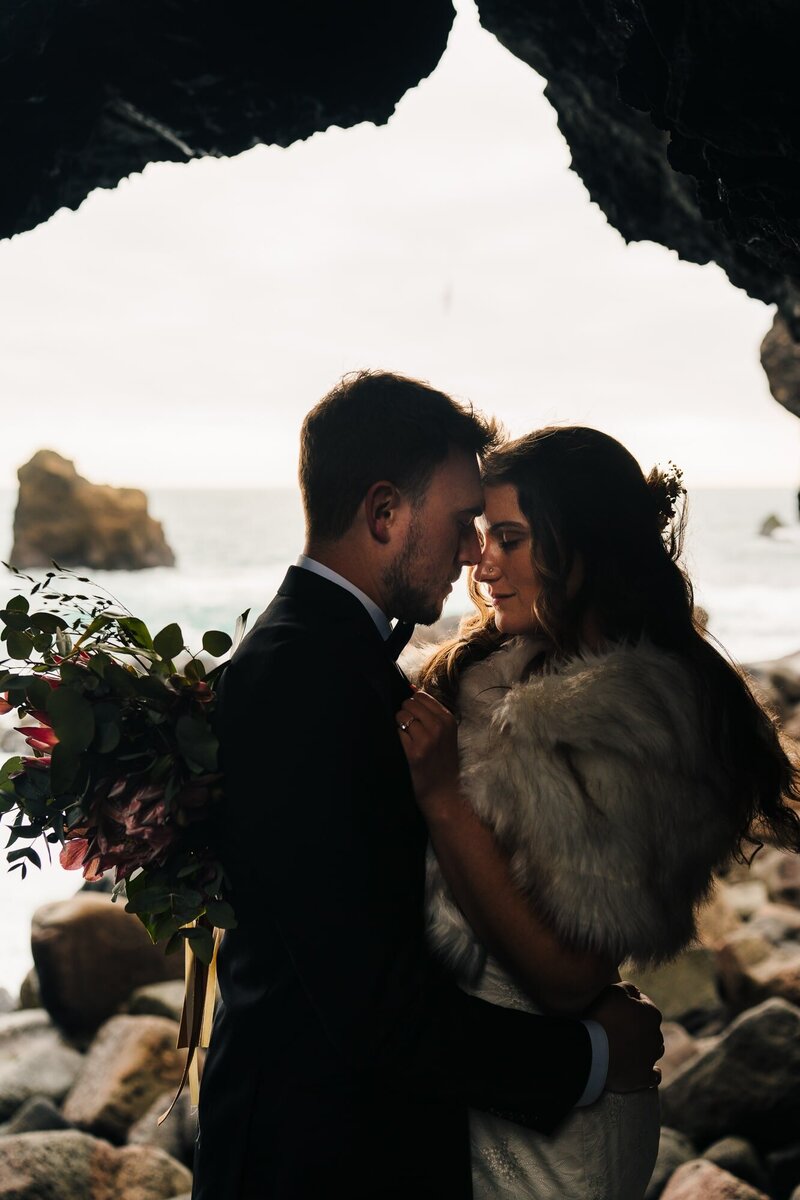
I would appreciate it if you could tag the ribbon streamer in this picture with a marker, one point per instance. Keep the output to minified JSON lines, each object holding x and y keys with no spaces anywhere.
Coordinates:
{"x":197,"y":1015}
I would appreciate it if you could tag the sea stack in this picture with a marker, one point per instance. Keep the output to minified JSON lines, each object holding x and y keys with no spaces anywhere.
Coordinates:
{"x":62,"y":516}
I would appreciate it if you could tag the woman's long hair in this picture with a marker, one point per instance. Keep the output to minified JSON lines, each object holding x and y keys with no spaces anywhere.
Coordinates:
{"x":590,"y":507}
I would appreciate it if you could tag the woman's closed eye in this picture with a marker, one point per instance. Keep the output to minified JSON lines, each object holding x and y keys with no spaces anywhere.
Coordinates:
{"x":508,"y":544}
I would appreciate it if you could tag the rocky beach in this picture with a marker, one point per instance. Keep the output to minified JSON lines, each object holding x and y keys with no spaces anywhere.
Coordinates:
{"x":88,"y":1059}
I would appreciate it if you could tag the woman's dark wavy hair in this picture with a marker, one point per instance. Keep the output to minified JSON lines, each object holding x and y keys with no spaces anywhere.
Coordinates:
{"x":589,"y":504}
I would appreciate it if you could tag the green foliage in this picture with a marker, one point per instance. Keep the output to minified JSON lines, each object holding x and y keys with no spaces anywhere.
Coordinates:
{"x":131,"y":777}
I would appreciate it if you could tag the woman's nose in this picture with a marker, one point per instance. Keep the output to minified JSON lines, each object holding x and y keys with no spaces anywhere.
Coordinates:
{"x":486,"y":571}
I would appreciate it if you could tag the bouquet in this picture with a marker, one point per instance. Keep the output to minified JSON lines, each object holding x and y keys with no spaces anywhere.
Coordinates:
{"x":122,"y":772}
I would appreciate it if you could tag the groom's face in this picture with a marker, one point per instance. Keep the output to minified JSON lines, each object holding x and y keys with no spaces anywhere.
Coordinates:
{"x":440,"y":540}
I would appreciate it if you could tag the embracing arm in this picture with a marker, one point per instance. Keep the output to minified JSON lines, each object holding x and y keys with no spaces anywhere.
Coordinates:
{"x":559,"y":977}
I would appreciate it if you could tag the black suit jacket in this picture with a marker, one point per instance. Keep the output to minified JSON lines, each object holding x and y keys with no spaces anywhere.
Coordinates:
{"x":342,"y":1060}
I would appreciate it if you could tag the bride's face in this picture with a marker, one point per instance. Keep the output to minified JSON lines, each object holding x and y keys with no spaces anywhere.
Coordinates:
{"x":506,"y":573}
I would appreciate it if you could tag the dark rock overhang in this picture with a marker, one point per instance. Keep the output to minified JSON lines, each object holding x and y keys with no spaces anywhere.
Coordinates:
{"x":682,"y":116}
{"x":93,"y":90}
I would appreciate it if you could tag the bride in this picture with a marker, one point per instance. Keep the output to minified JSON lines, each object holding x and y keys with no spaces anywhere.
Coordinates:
{"x":585,"y":760}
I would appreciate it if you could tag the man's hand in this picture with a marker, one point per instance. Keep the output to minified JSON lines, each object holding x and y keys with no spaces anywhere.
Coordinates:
{"x":635,"y":1044}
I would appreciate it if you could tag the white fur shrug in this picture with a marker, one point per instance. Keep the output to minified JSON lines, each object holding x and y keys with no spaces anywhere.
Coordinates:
{"x":596,"y":780}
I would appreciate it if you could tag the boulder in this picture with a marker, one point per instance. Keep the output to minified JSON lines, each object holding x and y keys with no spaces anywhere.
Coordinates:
{"x":685,"y":990}
{"x":36,"y":1113}
{"x":740,"y":1158}
{"x":131,"y":1061}
{"x":90,"y":955}
{"x":780,"y":871}
{"x":752,"y":969}
{"x":776,"y":922}
{"x":175,"y":1136}
{"x":746,"y":1083}
{"x":673,"y":1150}
{"x":158,"y":999}
{"x":718,"y":917}
{"x":71,"y":1165}
{"x":746,"y":898}
{"x":35,"y":1060}
{"x":679,"y":1048}
{"x":783,"y":1166}
{"x":60,"y":515}
{"x":29,"y":994}
{"x":702,"y":1180}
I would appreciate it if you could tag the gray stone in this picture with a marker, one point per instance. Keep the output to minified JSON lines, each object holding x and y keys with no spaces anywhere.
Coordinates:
{"x":679,"y":1048}
{"x":158,"y":1000}
{"x":175,"y":1136}
{"x":70,"y":1165}
{"x":6,"y":1001}
{"x":129,"y":1064}
{"x":737,"y":1155}
{"x":36,"y":1113}
{"x":34,"y":1060}
{"x":702,"y":1180}
{"x":777,"y":923}
{"x":673,"y":1150}
{"x":752,"y":969}
{"x":747,"y":1082}
{"x":747,"y":898}
{"x":685,"y":990}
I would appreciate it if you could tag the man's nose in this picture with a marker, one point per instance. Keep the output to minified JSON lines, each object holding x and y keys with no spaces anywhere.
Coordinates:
{"x":469,"y":550}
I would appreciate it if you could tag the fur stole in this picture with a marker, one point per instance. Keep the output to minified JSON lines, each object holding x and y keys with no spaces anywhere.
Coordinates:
{"x":596,"y":781}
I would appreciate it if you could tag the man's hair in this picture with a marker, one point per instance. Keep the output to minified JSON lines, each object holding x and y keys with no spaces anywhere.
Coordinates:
{"x":375,"y":425}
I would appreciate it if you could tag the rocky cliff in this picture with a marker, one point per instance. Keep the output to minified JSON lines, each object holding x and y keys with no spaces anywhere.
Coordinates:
{"x":62,"y":516}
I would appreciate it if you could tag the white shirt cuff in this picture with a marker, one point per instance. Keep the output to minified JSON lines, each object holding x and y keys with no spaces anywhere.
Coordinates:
{"x":599,"y":1069}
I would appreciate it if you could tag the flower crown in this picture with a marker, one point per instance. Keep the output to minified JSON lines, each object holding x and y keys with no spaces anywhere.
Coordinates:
{"x":666,"y":488}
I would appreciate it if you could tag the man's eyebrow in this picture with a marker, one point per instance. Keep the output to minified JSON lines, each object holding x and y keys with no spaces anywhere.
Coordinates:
{"x":471,"y":512}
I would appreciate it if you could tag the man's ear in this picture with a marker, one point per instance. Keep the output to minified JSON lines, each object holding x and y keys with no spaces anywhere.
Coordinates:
{"x":381,"y":505}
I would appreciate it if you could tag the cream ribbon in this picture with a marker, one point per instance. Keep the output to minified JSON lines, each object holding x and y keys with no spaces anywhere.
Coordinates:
{"x":197,"y":1016}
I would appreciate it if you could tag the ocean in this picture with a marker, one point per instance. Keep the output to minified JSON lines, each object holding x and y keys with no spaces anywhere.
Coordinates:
{"x":232,"y":549}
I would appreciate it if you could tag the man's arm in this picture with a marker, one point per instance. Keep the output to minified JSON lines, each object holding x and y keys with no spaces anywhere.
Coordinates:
{"x":319,"y":843}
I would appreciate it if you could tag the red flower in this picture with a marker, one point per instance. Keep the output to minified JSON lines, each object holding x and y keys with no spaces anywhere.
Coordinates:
{"x":38,"y":737}
{"x":5,"y":707}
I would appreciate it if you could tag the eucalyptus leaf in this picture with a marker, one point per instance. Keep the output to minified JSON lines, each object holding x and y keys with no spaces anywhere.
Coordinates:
{"x":221,"y":914}
{"x":169,"y":641}
{"x":64,"y":767}
{"x":18,"y":604}
{"x":47,"y":622}
{"x":72,"y":717}
{"x":197,"y":742}
{"x":20,"y":645}
{"x":216,"y":643}
{"x":202,"y":943}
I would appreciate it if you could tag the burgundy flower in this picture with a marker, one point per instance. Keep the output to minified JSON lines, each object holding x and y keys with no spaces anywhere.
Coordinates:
{"x":38,"y":737}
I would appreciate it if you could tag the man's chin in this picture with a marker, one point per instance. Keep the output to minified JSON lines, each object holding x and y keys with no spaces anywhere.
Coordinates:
{"x":423,"y":612}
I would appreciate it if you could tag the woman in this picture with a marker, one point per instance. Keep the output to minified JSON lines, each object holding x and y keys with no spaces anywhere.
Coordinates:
{"x":603,"y":762}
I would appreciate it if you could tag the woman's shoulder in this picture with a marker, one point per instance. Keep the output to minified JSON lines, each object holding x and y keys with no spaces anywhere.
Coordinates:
{"x":624,"y":694}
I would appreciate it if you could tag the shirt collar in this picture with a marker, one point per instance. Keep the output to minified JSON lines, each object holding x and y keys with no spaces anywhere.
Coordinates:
{"x":382,"y":622}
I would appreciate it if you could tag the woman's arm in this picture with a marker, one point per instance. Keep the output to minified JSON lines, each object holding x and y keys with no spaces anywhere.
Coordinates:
{"x":560,"y":978}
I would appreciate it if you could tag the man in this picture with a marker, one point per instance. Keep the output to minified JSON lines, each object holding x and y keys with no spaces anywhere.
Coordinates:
{"x":343,"y":1062}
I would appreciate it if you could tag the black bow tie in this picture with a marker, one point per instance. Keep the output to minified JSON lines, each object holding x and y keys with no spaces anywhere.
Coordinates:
{"x":399,"y":638}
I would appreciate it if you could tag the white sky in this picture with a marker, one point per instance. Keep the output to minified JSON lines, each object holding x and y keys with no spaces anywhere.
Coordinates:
{"x":173,"y":331}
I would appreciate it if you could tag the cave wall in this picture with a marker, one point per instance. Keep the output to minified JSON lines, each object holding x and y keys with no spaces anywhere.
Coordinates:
{"x":682,"y":117}
{"x":93,"y":90}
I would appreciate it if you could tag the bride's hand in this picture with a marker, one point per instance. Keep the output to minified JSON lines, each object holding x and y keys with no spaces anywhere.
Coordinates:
{"x":428,"y":735}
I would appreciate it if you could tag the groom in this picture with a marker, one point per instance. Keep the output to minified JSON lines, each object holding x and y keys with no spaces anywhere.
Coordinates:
{"x":343,"y":1061}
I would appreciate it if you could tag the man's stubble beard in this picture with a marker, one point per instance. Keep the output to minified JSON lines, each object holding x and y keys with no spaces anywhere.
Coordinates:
{"x":408,"y":600}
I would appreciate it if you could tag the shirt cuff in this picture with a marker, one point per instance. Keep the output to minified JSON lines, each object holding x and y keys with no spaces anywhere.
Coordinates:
{"x":599,"y":1069}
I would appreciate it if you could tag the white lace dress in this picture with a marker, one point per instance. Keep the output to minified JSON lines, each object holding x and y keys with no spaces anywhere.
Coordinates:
{"x":604,"y":1152}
